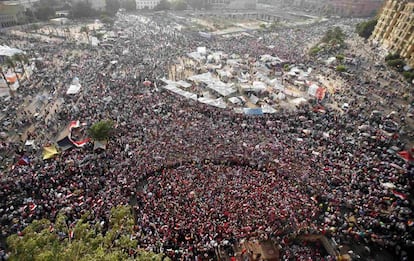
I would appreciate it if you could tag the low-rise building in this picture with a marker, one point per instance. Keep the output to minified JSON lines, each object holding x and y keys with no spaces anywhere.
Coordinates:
{"x":27,"y":4}
{"x":395,"y":29}
{"x":11,"y":14}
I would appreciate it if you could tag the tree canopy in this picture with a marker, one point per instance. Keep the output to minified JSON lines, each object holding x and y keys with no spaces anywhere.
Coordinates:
{"x":365,"y":29}
{"x":101,"y":130}
{"x":79,"y":240}
{"x":82,"y":9}
{"x":335,"y":36}
{"x":43,"y":10}
{"x":179,"y":5}
{"x":163,"y":5}
{"x":129,"y":5}
{"x":112,"y":6}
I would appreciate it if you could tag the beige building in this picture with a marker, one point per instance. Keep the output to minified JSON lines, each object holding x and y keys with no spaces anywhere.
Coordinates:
{"x":11,"y":14}
{"x":395,"y":28}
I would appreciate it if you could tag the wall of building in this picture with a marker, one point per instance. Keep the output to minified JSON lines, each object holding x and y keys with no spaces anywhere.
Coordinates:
{"x":150,"y":4}
{"x":11,"y":14}
{"x":353,"y":8}
{"x":395,"y":29}
{"x":358,"y":8}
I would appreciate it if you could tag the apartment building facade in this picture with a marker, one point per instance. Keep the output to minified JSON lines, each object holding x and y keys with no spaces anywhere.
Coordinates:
{"x":395,"y":29}
{"x":149,"y":4}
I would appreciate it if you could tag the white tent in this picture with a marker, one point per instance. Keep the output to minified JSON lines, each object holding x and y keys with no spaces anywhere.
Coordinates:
{"x":180,"y":92}
{"x":202,"y":50}
{"x":214,"y":84}
{"x":8,"y":51}
{"x":219,"y":103}
{"x":74,"y":87}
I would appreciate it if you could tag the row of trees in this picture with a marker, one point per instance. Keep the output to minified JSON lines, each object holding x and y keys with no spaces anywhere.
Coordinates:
{"x":80,"y":240}
{"x":41,"y":11}
{"x":396,"y":62}
{"x":177,"y":5}
{"x":46,"y":9}
{"x":83,"y":9}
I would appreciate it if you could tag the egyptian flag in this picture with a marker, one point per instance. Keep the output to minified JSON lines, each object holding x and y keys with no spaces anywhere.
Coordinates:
{"x":399,"y":195}
{"x":74,"y":124}
{"x":23,"y":161}
{"x":32,"y":208}
{"x":80,"y":143}
{"x":405,"y":155}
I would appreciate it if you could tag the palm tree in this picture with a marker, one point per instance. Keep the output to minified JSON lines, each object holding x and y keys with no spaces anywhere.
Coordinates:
{"x":11,"y":64}
{"x":22,"y":59}
{"x":5,"y":79}
{"x":85,"y":29}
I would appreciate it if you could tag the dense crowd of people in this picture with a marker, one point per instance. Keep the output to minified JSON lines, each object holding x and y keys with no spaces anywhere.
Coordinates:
{"x":199,"y":177}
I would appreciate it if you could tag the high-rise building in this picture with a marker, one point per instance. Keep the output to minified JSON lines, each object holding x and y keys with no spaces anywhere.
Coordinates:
{"x":395,"y":29}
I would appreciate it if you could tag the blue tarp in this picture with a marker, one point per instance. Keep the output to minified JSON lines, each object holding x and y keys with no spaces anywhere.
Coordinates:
{"x":253,"y":111}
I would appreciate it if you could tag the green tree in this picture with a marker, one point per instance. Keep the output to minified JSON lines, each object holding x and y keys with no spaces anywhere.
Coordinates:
{"x":44,"y":13}
{"x":43,"y":240}
{"x":163,"y":5}
{"x":195,"y":4}
{"x":44,"y":10}
{"x":85,"y":29}
{"x":409,"y":76}
{"x":392,"y":56}
{"x":341,"y":68}
{"x":314,"y":50}
{"x":365,"y":29}
{"x":129,"y":5}
{"x":398,"y":64}
{"x":334,"y":37}
{"x":340,"y":57}
{"x":82,"y":9}
{"x":112,"y":6}
{"x":101,"y":130}
{"x":107,"y":20}
{"x":179,"y":5}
